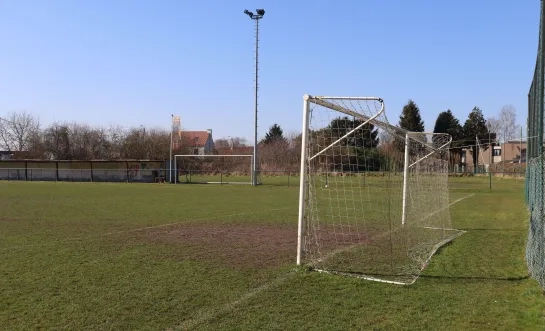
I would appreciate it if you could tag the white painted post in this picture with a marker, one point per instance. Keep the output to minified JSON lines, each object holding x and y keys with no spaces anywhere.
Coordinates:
{"x":175,"y":171}
{"x":405,"y":180}
{"x":303,"y":179}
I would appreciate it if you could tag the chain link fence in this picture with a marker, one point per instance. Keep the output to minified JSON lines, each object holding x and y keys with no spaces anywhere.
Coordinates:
{"x":535,"y":249}
{"x":283,"y":177}
{"x":83,"y":171}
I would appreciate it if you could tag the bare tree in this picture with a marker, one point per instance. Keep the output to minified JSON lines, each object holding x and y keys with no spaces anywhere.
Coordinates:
{"x":494,"y":126}
{"x":115,"y":135}
{"x":157,"y":144}
{"x":505,"y":124}
{"x":133,"y":145}
{"x":36,"y":146}
{"x":56,"y":142}
{"x":294,"y":150}
{"x":273,"y":155}
{"x":16,"y":130}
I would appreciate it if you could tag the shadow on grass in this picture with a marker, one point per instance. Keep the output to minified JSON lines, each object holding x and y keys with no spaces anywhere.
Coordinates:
{"x":493,"y":230}
{"x":489,"y":278}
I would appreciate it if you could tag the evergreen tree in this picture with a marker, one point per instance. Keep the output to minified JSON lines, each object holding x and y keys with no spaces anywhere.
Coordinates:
{"x":410,"y":118}
{"x":275,"y":134}
{"x":475,"y":125}
{"x":366,"y":136}
{"x":475,"y":129}
{"x":446,"y":122}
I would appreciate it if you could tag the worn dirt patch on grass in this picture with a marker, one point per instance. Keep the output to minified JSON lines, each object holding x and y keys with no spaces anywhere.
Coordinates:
{"x":234,"y":245}
{"x":246,"y":245}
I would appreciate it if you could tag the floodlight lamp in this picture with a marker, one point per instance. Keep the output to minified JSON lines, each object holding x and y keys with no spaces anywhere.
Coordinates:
{"x":249,"y":13}
{"x":260,"y":12}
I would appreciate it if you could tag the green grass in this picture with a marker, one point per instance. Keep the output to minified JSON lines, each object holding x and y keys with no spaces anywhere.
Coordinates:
{"x":103,"y":256}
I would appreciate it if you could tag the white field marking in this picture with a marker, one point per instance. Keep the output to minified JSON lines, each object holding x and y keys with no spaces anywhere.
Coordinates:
{"x":450,"y":205}
{"x":137,"y":229}
{"x":384,"y":234}
{"x":205,"y":315}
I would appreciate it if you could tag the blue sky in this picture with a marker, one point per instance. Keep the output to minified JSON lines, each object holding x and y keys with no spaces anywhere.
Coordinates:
{"x":137,"y":62}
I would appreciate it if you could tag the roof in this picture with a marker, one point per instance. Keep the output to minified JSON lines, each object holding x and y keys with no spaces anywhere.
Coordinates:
{"x":195,"y":138}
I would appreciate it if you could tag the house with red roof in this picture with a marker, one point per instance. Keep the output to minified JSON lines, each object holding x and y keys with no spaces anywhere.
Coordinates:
{"x":197,"y":142}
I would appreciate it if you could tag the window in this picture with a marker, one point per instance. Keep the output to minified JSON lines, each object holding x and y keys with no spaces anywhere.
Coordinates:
{"x":497,"y":152}
{"x":195,"y":151}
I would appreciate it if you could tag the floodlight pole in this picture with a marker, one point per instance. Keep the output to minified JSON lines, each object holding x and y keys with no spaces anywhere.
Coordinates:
{"x":171,"y":147}
{"x":256,"y":18}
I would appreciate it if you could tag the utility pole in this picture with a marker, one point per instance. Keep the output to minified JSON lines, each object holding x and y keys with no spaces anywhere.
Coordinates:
{"x":476,"y":160}
{"x":491,"y":146}
{"x":520,"y":161}
{"x":256,"y":17}
{"x":171,"y":137}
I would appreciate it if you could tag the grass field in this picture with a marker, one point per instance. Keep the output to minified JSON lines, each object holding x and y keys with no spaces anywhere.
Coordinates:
{"x":154,"y":256}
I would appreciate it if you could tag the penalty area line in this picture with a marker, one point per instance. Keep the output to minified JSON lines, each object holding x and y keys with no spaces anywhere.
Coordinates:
{"x":205,"y":315}
{"x":462,"y":198}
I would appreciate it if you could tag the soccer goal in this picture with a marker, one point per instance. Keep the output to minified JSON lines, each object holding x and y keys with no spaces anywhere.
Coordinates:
{"x":213,"y":169}
{"x":373,"y":199}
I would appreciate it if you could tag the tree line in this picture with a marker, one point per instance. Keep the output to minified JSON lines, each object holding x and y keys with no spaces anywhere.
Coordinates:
{"x":368,"y":150}
{"x":21,"y":131}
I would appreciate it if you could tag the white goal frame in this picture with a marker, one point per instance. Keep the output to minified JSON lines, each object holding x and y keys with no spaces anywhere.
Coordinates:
{"x":410,"y":163}
{"x":322,"y":100}
{"x":251,"y":157}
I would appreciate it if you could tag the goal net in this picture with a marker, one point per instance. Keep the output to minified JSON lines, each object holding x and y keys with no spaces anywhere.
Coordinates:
{"x":213,"y":169}
{"x":374,"y":199}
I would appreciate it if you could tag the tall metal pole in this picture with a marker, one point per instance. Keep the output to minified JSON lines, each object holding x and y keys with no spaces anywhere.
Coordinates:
{"x":171,"y":134}
{"x":254,"y":165}
{"x":256,"y":17}
{"x":521,"y":145}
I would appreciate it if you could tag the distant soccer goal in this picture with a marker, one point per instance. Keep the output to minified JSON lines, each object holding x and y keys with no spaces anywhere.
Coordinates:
{"x":373,"y":200}
{"x":213,"y":169}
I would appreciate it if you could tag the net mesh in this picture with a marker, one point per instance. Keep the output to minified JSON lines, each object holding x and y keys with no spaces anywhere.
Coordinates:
{"x":214,"y":169}
{"x":535,"y":247}
{"x":355,"y":219}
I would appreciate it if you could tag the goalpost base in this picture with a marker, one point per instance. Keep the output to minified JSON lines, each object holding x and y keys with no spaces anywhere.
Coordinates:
{"x":212,"y":182}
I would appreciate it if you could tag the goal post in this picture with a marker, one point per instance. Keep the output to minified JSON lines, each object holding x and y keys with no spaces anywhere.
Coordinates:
{"x":440,"y":143}
{"x":373,"y":197}
{"x":213,"y":169}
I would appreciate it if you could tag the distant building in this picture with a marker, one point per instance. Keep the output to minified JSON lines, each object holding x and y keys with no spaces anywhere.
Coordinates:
{"x":511,"y":151}
{"x":197,"y":142}
{"x":514,"y":150}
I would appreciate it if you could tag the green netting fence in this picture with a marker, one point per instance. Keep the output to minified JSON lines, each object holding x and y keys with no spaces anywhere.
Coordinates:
{"x":535,"y":249}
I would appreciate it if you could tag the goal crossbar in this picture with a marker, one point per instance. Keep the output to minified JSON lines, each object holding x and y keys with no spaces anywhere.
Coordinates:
{"x":321,"y":100}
